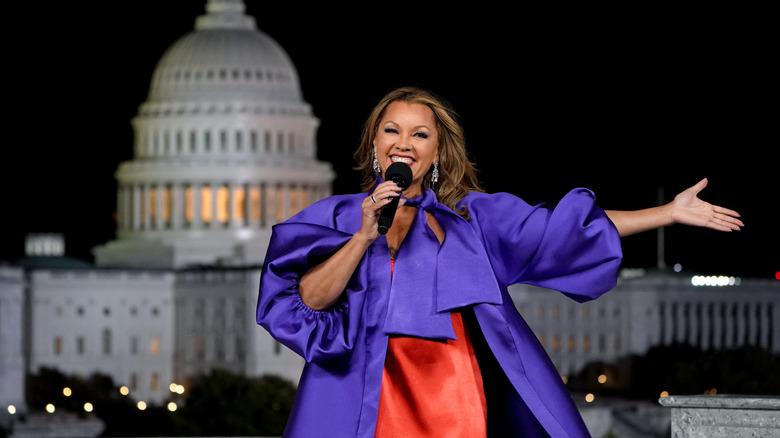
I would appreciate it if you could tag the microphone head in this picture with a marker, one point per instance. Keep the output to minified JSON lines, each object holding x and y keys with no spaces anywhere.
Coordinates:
{"x":399,"y":173}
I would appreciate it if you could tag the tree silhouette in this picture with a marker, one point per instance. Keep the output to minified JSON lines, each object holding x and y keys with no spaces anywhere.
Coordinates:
{"x":222,"y":403}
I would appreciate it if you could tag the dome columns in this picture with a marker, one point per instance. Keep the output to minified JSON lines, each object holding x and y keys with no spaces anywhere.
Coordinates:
{"x":168,"y":207}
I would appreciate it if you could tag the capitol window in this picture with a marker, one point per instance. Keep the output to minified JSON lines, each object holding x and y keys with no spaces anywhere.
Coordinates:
{"x":106,"y":342}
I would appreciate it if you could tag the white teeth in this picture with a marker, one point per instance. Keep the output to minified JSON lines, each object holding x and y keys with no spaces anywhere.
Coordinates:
{"x":401,"y":160}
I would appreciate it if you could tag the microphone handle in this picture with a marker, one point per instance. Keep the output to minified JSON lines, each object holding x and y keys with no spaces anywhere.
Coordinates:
{"x":386,"y":215}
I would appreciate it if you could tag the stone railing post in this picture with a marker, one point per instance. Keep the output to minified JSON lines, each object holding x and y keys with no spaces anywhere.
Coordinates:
{"x":726,"y":415}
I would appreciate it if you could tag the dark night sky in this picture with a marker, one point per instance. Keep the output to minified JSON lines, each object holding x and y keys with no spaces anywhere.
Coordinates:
{"x":623,"y":102}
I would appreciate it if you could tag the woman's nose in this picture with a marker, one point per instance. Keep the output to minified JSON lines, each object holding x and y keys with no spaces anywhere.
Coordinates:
{"x":403,"y":144}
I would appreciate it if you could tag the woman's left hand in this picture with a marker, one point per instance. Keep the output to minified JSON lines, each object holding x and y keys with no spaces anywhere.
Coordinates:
{"x":688,"y":209}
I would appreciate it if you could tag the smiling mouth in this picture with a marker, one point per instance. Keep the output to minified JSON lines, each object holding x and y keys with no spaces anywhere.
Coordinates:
{"x":405,"y":160}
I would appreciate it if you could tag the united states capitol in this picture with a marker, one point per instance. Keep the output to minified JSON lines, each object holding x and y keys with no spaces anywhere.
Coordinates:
{"x":225,"y":147}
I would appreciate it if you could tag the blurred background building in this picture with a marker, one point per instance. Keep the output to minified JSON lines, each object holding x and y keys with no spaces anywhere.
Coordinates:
{"x":225,"y":147}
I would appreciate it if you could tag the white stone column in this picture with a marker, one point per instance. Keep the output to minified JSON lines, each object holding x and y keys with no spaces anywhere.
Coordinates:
{"x":250,"y":222}
{"x":200,"y":140}
{"x":197,"y":193}
{"x":214,"y":201}
{"x":156,"y":143}
{"x":287,"y":200}
{"x":232,"y":221}
{"x":144,"y":206}
{"x":159,"y":219}
{"x":271,"y":203}
{"x":177,"y":206}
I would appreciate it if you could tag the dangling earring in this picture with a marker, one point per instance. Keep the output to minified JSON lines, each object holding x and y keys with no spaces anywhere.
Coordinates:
{"x":377,"y":169}
{"x":435,"y":173}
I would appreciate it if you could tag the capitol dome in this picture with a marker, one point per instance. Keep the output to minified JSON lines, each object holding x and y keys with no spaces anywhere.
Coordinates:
{"x":225,"y":56}
{"x":225,"y":147}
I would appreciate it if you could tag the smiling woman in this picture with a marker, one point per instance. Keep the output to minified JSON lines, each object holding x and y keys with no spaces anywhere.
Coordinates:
{"x":415,"y":328}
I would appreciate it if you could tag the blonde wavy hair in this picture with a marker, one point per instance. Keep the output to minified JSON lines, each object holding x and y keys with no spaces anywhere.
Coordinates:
{"x":457,"y":174}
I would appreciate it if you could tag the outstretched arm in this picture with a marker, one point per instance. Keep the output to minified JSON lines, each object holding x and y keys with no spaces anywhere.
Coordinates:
{"x":686,"y":208}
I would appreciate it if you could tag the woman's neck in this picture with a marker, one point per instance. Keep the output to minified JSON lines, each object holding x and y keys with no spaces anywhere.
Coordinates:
{"x":402,"y":222}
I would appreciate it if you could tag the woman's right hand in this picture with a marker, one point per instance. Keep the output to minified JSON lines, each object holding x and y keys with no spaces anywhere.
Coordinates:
{"x":373,"y":204}
{"x":321,"y":285}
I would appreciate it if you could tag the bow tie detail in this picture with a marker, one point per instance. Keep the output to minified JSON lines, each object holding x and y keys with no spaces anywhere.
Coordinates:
{"x":430,"y":280}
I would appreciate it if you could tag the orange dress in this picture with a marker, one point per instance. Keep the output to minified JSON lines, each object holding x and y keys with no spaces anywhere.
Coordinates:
{"x":432,"y":388}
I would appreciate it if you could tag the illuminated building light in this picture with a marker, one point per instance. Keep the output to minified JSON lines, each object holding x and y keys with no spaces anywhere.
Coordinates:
{"x":664,"y":393}
{"x":777,"y":275}
{"x":172,"y":407}
{"x":11,"y":409}
{"x":141,"y":405}
{"x":602,"y":378}
{"x":50,"y":408}
{"x":590,"y":397}
{"x":172,"y":387}
{"x":88,"y":407}
{"x":677,"y":267}
{"x":715,"y":280}
{"x":66,"y":392}
{"x":179,"y":389}
{"x":124,"y":390}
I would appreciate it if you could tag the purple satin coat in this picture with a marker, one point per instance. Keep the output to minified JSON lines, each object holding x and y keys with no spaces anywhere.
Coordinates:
{"x":573,"y":248}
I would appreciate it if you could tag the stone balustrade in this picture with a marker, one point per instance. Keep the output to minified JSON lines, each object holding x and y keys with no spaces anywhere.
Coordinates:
{"x":727,"y":415}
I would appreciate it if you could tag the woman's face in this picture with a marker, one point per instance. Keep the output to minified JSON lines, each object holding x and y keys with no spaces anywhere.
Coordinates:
{"x":407,"y":133}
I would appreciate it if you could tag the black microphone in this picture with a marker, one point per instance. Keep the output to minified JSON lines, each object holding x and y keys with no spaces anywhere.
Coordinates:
{"x":401,"y":174}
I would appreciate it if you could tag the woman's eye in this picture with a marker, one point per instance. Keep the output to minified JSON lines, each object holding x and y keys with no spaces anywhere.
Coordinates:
{"x":391,"y":131}
{"x":421,"y":134}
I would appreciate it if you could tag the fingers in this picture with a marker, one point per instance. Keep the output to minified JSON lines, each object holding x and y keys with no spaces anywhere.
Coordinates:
{"x":723,"y":225}
{"x":373,"y":204}
{"x":725,"y":211}
{"x":384,"y":193}
{"x":699,"y":186}
{"x":728,"y":218}
{"x":731,"y":222}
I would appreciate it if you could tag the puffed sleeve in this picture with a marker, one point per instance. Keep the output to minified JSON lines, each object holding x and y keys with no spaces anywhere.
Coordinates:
{"x":313,"y":334}
{"x":573,"y":247}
